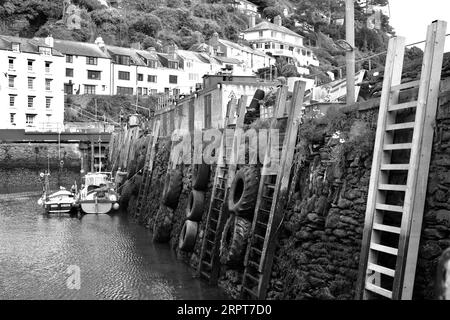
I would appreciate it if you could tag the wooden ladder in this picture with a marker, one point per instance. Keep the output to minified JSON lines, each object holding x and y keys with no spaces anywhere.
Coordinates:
{"x":272,"y":196}
{"x":209,"y":264}
{"x":148,"y":168}
{"x":392,"y":230}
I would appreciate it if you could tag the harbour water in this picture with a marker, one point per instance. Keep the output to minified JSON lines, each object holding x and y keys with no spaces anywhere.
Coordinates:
{"x":115,"y":257}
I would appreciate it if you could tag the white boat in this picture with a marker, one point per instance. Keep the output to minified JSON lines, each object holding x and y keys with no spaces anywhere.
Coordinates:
{"x":62,"y":201}
{"x":97,"y":194}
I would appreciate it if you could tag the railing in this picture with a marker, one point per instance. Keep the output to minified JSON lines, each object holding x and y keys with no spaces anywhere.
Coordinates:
{"x":45,"y":127}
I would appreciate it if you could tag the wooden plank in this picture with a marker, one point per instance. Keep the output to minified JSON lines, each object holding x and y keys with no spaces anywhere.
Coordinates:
{"x":395,"y":167}
{"x":387,"y":207}
{"x":380,"y":269}
{"x":397,"y":146}
{"x":402,"y":106}
{"x":385,"y":249}
{"x":378,"y":290}
{"x":386,"y":228}
{"x":392,"y":77}
{"x":420,"y":160}
{"x":392,"y":187}
{"x":406,"y":85}
{"x":400,"y":126}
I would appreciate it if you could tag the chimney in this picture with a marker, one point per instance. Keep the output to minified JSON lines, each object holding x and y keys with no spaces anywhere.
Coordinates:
{"x":172,"y":51}
{"x":49,"y":41}
{"x":100,"y":43}
{"x":214,"y":39}
{"x":251,"y":21}
{"x":136,"y":45}
{"x":277,"y":20}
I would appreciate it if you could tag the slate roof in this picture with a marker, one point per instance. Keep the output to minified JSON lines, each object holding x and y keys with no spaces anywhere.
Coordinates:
{"x":79,"y":48}
{"x":26,"y":45}
{"x":136,"y":60}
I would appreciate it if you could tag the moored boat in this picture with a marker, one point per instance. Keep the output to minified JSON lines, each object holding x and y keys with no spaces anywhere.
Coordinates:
{"x":97,"y":194}
{"x":62,"y":201}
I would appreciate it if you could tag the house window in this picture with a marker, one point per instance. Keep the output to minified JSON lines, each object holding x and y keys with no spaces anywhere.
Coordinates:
{"x":308,"y":53}
{"x":173,"y":79}
{"x":291,"y":48}
{"x":124,"y":91}
{"x":273,"y":46}
{"x":124,"y":75}
{"x":89,"y":89}
{"x":30,"y":65}
{"x":68,"y":88}
{"x":151,"y":78}
{"x":69,"y":72}
{"x":152,"y":64}
{"x":267,"y":45}
{"x":12,"y":100}
{"x":45,"y":50}
{"x":273,"y":34}
{"x":94,"y":75}
{"x":139,"y":90}
{"x":145,"y":91}
{"x":153,"y":91}
{"x":176,"y":92}
{"x":140,"y":77}
{"x":49,"y":116}
{"x":193,"y":76}
{"x":69,"y":58}
{"x":47,"y":66}
{"x":48,"y":83}
{"x":48,"y":102}
{"x":30,"y":83}
{"x":124,"y":60}
{"x":12,"y":118}
{"x":11,"y":81}
{"x":166,"y":90}
{"x":172,"y":64}
{"x":281,"y":46}
{"x":30,"y":102}
{"x":207,"y":101}
{"x":30,"y":118}
{"x":260,"y":33}
{"x":15,"y":47}
{"x":303,"y":52}
{"x":91,"y":60}
{"x":11,"y":63}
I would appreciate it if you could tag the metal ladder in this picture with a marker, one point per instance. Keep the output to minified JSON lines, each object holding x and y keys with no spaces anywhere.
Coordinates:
{"x":272,"y":196}
{"x":392,"y":230}
{"x":209,"y":264}
{"x":148,"y":168}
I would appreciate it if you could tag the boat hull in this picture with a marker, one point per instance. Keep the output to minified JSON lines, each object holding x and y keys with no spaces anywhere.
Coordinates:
{"x":99,"y":206}
{"x":59,"y":208}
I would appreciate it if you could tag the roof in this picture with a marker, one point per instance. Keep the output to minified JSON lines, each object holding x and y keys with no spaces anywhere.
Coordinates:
{"x":227,"y":60}
{"x":247,"y":2}
{"x":191,"y":55}
{"x":79,"y":48}
{"x":266,"y":25}
{"x":149,"y":55}
{"x":238,"y":46}
{"x":26,"y":45}
{"x":132,"y":53}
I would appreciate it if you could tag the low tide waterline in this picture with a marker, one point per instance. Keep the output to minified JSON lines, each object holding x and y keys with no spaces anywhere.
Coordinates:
{"x":115,"y":257}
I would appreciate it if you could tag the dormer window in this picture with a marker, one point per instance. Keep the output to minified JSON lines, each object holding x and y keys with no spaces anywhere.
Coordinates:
{"x":45,"y":50}
{"x":152,"y":64}
{"x":173,"y":64}
{"x":15,"y":47}
{"x":123,"y":60}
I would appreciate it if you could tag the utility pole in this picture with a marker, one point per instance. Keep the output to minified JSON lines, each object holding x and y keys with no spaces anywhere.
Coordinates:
{"x":350,"y":55}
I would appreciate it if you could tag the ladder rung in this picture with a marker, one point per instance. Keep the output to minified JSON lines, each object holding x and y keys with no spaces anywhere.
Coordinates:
{"x":253,"y":263}
{"x":406,"y":85}
{"x":378,"y":290}
{"x":258,"y":236}
{"x":401,"y":106}
{"x":398,"y":146}
{"x":400,"y":126}
{"x":392,"y":187}
{"x":264,"y":211}
{"x":205,"y":274}
{"x":385,"y":249}
{"x":380,"y":269}
{"x":400,"y":167}
{"x":206,"y":263}
{"x":253,"y":293}
{"x":262,"y":224}
{"x":248,"y":275}
{"x":388,"y":207}
{"x":256,"y":250}
{"x":383,"y":227}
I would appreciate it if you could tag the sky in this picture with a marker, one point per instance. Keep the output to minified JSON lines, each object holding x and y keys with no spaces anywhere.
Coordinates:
{"x":410,"y":18}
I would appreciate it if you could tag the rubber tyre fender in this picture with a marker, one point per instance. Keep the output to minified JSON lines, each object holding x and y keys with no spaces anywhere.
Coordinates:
{"x":200,"y":176}
{"x":233,"y":242}
{"x":172,"y":188}
{"x":195,"y":206}
{"x":188,"y":236}
{"x":244,"y":192}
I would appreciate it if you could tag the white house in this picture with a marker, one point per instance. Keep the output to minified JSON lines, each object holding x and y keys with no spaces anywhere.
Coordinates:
{"x":87,"y":67}
{"x":31,"y":84}
{"x":279,"y":41}
{"x":246,"y":7}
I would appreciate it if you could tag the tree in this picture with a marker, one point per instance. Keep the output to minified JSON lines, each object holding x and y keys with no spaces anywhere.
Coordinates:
{"x":272,"y":12}
{"x":147,"y":23}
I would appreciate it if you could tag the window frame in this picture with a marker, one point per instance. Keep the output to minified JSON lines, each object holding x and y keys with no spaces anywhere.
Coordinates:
{"x":90,"y":89}
{"x":121,"y":73}
{"x":93,"y":61}
{"x":94,"y":72}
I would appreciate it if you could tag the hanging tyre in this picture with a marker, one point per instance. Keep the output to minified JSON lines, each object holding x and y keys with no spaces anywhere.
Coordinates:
{"x":244,"y":191}
{"x":234,"y":241}
{"x":188,"y":236}
{"x":200,"y":176}
{"x":196,"y":203}
{"x":172,"y":188}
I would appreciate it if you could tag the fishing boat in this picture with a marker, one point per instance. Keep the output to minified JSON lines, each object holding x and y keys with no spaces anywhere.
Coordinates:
{"x":62,"y":201}
{"x":97,"y":194}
